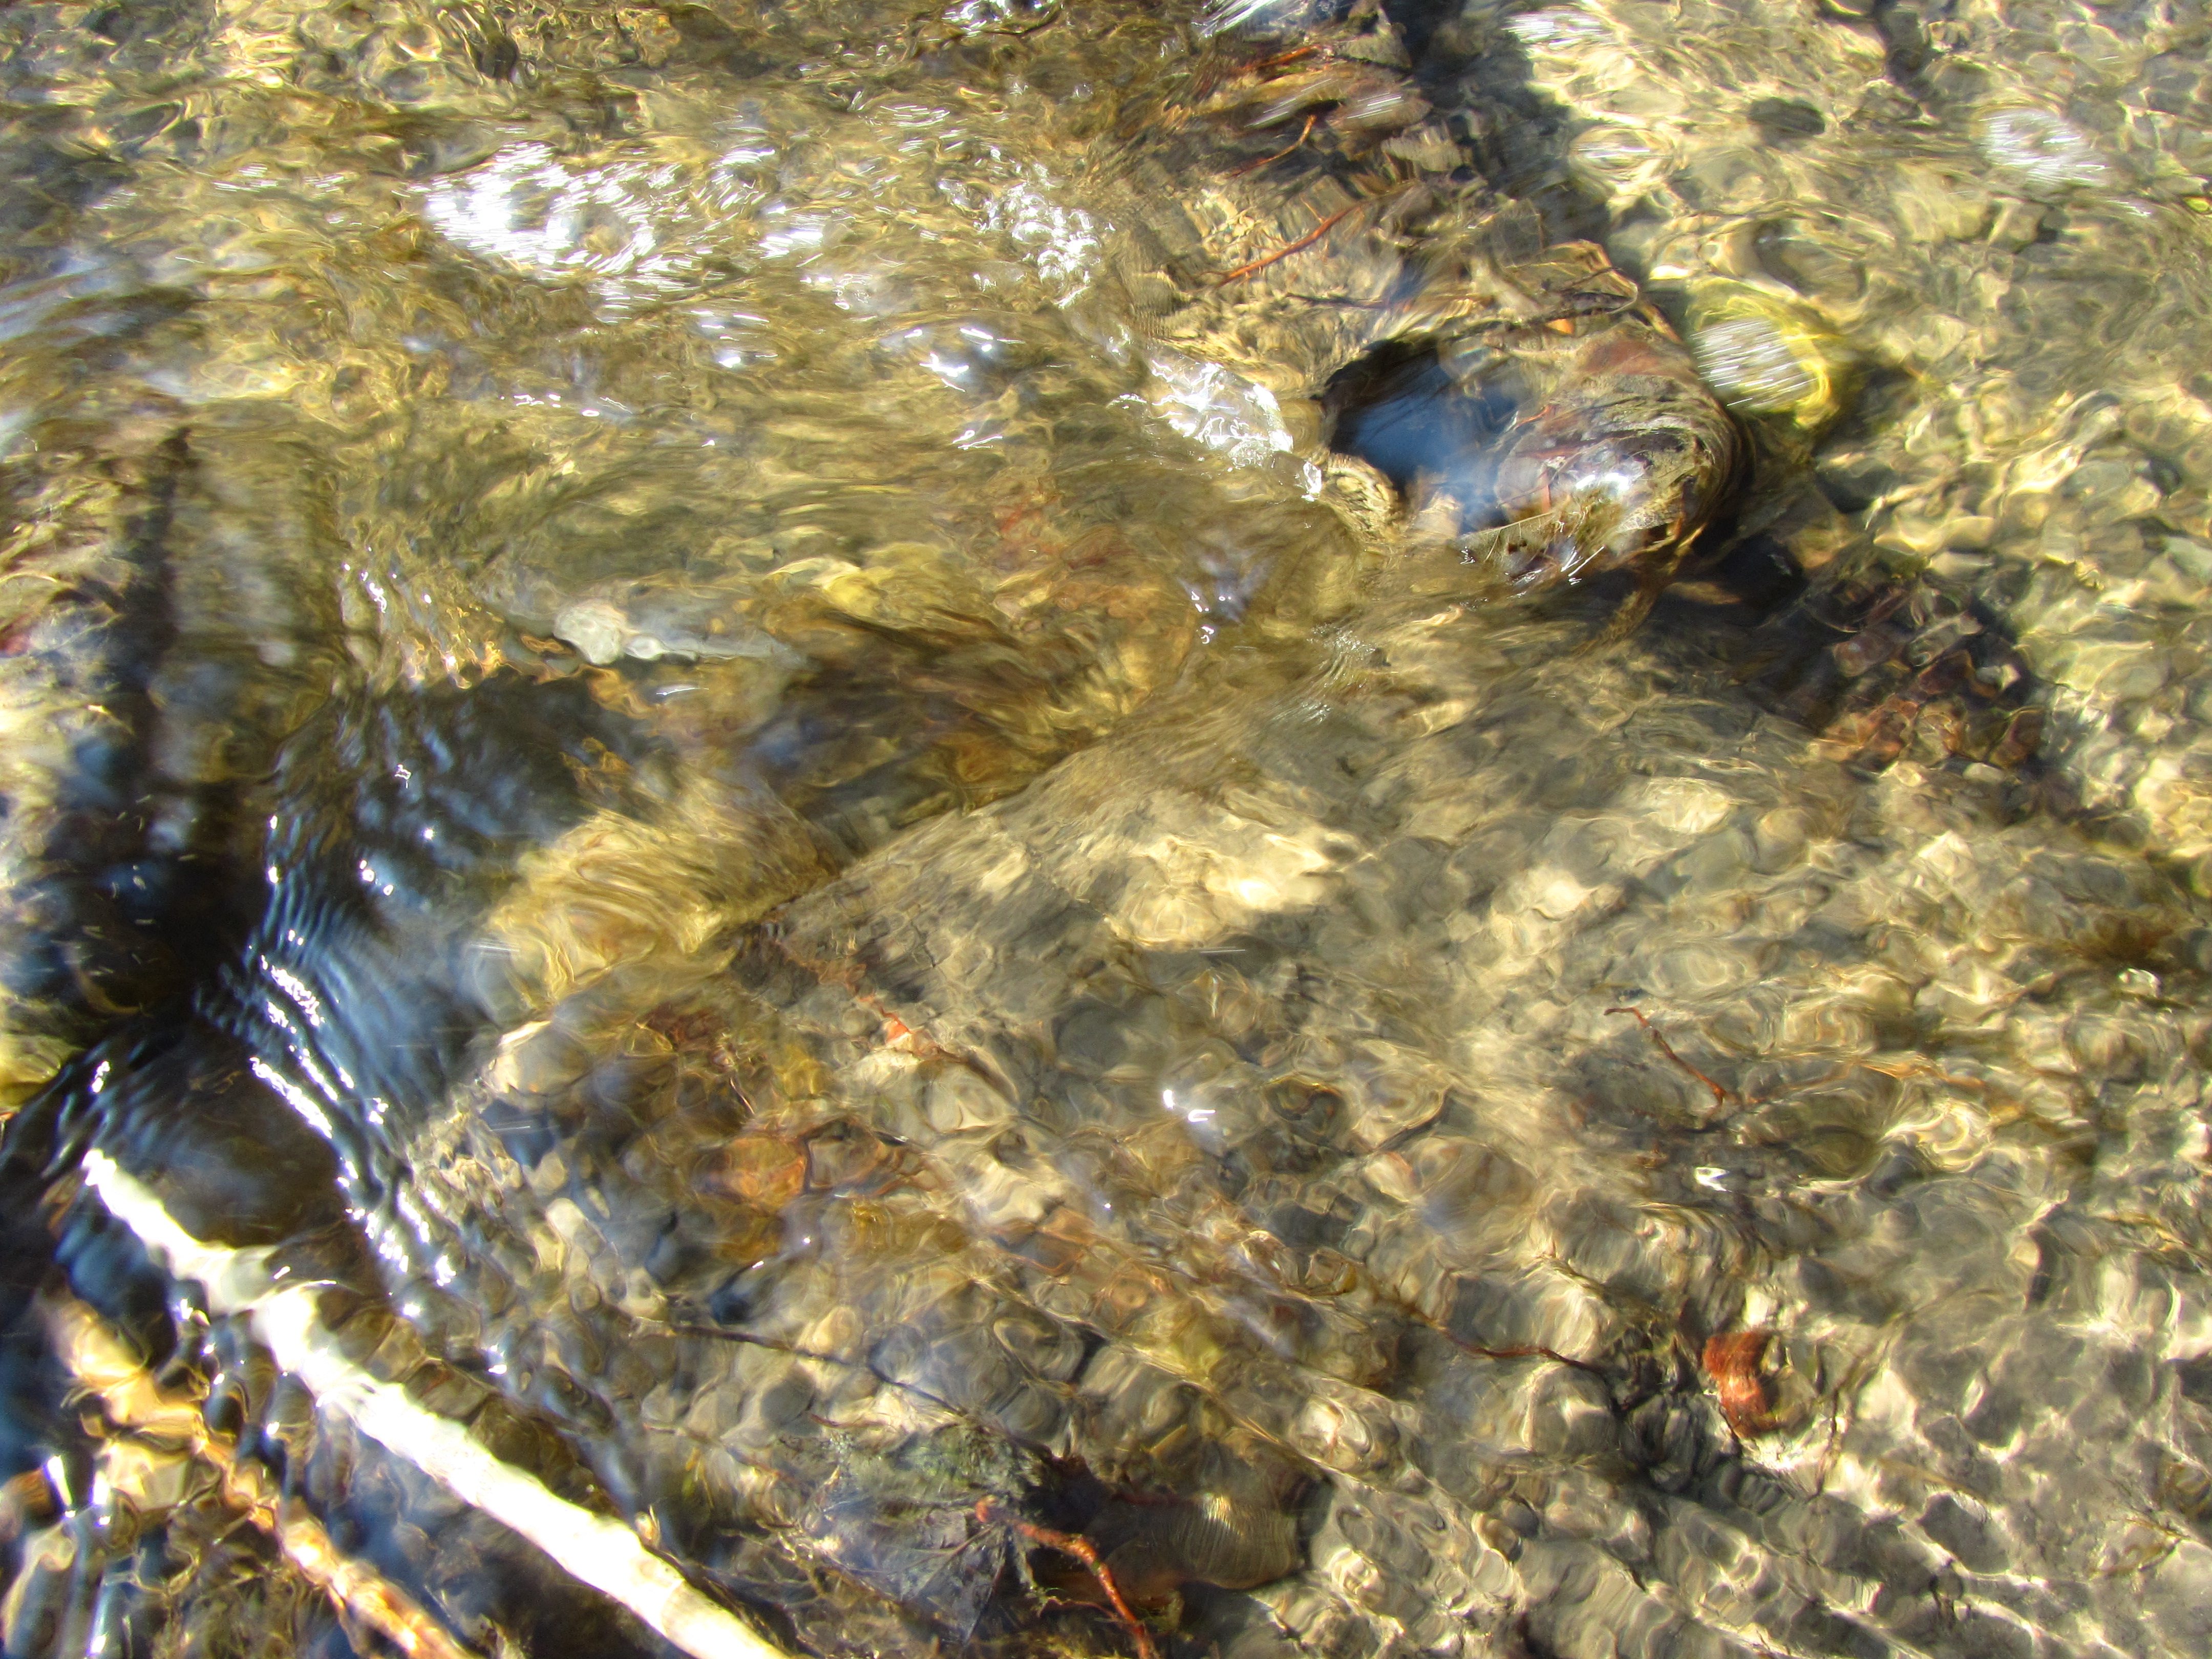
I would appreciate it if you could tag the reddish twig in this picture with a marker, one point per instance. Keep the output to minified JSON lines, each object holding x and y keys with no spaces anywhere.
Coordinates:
{"x":1720,"y":1095}
{"x":1281,"y":59}
{"x":989,"y":1511}
{"x":1298,"y":247}
{"x":106,"y":1368}
{"x":1304,"y":133}
{"x":1533,"y":1350}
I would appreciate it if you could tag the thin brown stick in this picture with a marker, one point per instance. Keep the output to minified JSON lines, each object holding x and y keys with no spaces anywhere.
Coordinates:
{"x":1720,"y":1095}
{"x":106,"y":1368}
{"x":1298,"y":247}
{"x":1305,"y":132}
{"x":1532,"y":1351}
{"x":989,"y":1511}
{"x":1281,"y":59}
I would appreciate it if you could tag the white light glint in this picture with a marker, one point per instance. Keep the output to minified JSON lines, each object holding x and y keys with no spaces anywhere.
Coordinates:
{"x":296,"y":988}
{"x":294,"y":1097}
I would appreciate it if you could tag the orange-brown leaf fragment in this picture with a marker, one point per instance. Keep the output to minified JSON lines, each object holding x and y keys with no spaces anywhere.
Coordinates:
{"x":1732,"y":1361}
{"x":765,"y":1171}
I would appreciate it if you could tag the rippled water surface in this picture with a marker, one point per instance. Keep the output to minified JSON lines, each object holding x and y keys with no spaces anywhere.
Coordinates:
{"x":1106,"y":829}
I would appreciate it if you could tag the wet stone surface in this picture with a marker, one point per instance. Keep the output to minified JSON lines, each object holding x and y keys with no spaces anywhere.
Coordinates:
{"x":1293,"y":828}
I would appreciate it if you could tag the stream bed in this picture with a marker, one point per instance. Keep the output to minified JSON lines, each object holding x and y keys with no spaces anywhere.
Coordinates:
{"x":1106,"y":828}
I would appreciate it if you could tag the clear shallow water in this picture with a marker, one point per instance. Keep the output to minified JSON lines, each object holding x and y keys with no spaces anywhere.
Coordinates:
{"x":687,"y":711}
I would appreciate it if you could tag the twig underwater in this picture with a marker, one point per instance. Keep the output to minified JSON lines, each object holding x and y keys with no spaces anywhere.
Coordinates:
{"x":1282,"y":253}
{"x":1304,"y":133}
{"x":995,"y":1514}
{"x":101,"y":1362}
{"x":592,"y":1548}
{"x":1722,"y":1095}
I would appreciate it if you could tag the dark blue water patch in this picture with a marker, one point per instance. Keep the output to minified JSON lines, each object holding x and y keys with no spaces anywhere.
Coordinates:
{"x":433,"y":787}
{"x":107,"y":1268}
{"x":394,"y":823}
{"x":1400,"y":409}
{"x":228,"y":1157}
{"x":32,"y":1382}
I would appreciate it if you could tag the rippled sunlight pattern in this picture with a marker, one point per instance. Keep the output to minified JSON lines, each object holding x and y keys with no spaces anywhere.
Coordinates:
{"x":1217,"y":828}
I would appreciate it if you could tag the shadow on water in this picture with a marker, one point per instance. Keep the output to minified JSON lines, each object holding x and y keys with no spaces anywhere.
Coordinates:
{"x":1472,"y":66}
